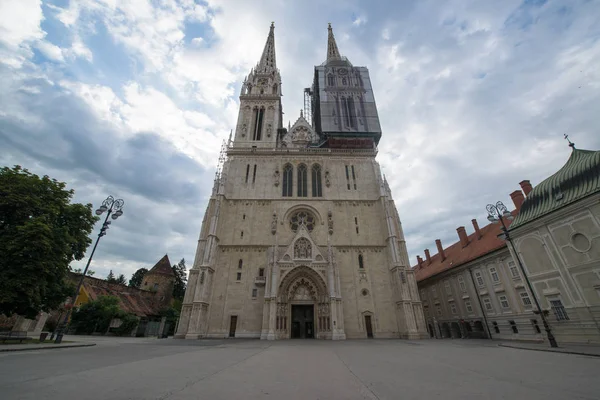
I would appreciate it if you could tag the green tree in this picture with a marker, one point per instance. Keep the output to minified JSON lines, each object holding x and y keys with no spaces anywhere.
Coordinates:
{"x":88,"y":273}
{"x":41,"y":233}
{"x":137,"y":278}
{"x":121,"y":280}
{"x":95,"y":315}
{"x":180,"y":279}
{"x":111,"y":277}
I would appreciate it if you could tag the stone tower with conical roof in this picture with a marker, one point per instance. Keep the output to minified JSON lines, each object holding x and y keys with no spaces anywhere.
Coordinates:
{"x":160,"y":279}
{"x":301,"y":238}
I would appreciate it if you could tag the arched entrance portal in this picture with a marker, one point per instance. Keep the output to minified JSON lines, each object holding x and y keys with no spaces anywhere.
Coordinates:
{"x":303,"y":309}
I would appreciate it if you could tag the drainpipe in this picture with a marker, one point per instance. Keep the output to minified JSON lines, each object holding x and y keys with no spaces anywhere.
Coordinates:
{"x":480,"y":304}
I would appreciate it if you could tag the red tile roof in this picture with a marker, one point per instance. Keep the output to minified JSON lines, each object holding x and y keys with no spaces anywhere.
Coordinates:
{"x":457,"y":255}
{"x":140,"y":302}
{"x":162,"y":267}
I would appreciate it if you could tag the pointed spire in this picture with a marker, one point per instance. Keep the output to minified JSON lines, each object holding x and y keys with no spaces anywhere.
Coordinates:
{"x":332,"y":50}
{"x":267,"y":61}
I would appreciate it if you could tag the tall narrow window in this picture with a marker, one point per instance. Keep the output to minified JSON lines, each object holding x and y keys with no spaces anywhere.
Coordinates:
{"x":356,"y":224}
{"x":288,"y":180}
{"x":353,"y":177}
{"x":494,"y":275}
{"x":247,"y":172}
{"x":351,"y":112}
{"x":302,"y":181}
{"x":347,"y":177}
{"x":259,"y":116}
{"x":479,"y":278}
{"x":461,"y":284}
{"x":330,"y":80}
{"x":254,"y":175}
{"x":361,"y":264}
{"x":240,"y":264}
{"x":317,"y":190}
{"x":559,"y":310}
{"x":345,"y":111}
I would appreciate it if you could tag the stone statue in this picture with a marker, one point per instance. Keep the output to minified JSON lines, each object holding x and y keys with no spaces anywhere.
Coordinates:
{"x":274,"y":224}
{"x":330,"y":222}
{"x":327,"y":179}
{"x":276,"y":178}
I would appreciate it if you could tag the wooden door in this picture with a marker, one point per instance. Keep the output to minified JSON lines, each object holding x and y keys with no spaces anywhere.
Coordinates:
{"x":368,"y":326}
{"x":232,"y":325}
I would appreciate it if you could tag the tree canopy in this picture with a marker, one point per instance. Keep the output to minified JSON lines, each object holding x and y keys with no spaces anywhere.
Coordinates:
{"x":41,"y":233}
{"x":111,"y":277}
{"x":180,"y":279}
{"x":121,"y":280}
{"x":137,"y":278}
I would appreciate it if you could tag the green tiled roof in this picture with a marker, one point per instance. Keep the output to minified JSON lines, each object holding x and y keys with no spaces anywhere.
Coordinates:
{"x":578,"y":178}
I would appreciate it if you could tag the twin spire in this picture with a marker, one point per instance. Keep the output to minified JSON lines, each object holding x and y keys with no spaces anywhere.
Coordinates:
{"x":268,"y":63}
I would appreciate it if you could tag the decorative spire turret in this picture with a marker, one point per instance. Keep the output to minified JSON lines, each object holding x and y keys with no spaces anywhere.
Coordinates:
{"x":332,"y":50}
{"x":267,"y":62}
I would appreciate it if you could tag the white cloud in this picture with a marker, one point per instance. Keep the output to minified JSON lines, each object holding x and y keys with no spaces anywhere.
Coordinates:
{"x":20,"y":22}
{"x":359,"y":20}
{"x":50,"y":50}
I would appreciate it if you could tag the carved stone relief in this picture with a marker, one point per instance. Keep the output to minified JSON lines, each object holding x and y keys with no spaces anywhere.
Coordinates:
{"x":327,"y":179}
{"x":274,"y":224}
{"x":330,"y":222}
{"x":302,"y":249}
{"x":276,"y":177}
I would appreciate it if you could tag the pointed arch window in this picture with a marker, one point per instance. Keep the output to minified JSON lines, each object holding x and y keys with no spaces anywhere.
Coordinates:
{"x":317,"y":190}
{"x":330,"y":80}
{"x":361,"y":263}
{"x":288,"y":180}
{"x":259,"y":114}
{"x":302,"y":181}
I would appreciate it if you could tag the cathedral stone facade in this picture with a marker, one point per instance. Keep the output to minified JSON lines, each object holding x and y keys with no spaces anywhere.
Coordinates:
{"x":301,"y":237}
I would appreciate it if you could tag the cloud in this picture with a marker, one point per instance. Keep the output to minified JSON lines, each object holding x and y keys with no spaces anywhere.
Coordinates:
{"x":133,"y":98}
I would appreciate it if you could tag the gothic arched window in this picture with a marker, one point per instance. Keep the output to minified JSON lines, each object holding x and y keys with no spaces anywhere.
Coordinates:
{"x":288,"y":180}
{"x":317,"y":190}
{"x":240,"y":263}
{"x":361,"y":264}
{"x":302,"y":181}
{"x":330,"y":80}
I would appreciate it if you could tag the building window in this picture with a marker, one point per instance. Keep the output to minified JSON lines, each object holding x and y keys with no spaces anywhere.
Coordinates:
{"x":347,"y":178}
{"x":487,"y":302}
{"x":438,"y":310}
{"x":559,"y":310}
{"x":240,"y":263}
{"x":254,"y":175}
{"x":258,"y":121}
{"x":453,"y":308}
{"x":496,"y":327}
{"x":353,"y":176}
{"x":360,"y":261}
{"x":525,"y":299}
{"x":155,"y":287}
{"x":448,"y":288}
{"x":494,"y":275}
{"x":514,"y":271}
{"x":503,"y":301}
{"x":247,"y":172}
{"x":302,"y":218}
{"x":288,"y":180}
{"x":479,"y":278}
{"x":242,"y":234}
{"x":434,"y":291}
{"x":302,"y":181}
{"x":536,"y":327}
{"x":254,"y":293}
{"x":244,"y":216}
{"x":513,"y":326}
{"x":468,"y":306}
{"x":317,"y":190}
{"x":330,"y":80}
{"x":356,"y":224}
{"x":239,"y":276}
{"x":461,"y":284}
{"x":261,"y":272}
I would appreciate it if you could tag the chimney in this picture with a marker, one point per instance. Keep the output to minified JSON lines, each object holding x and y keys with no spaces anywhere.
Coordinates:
{"x":526,"y":186}
{"x":438,"y":243}
{"x":462,"y":235}
{"x":476,"y":227}
{"x":420,"y":261}
{"x":427,"y":256}
{"x":517,"y":198}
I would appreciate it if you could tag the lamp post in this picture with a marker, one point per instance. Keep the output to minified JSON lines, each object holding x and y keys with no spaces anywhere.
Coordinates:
{"x":113,"y":208}
{"x":499,"y":213}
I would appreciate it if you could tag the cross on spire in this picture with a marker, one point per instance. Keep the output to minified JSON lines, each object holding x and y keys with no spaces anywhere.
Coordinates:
{"x":571,"y":144}
{"x":267,"y":62}
{"x":332,"y":50}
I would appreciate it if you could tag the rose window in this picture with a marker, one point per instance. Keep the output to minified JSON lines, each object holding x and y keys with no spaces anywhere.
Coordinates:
{"x":302,"y":218}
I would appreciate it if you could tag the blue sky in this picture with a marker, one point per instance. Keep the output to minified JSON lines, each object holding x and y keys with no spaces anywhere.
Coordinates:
{"x":133,"y":98}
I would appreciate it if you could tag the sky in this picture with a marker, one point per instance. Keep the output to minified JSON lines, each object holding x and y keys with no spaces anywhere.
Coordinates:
{"x":133,"y":98}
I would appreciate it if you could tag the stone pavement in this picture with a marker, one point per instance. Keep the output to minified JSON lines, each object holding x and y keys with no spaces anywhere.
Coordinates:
{"x":568,"y":348}
{"x":169,"y":369}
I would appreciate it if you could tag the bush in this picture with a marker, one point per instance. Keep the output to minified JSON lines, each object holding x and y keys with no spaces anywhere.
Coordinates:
{"x":95,"y":316}
{"x":128,"y":323}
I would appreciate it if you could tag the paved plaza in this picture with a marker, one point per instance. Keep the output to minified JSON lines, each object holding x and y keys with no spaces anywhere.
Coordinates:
{"x":296,"y":369}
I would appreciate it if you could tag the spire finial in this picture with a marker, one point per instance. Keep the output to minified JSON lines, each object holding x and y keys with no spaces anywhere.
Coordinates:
{"x":571,"y":144}
{"x":267,"y":62}
{"x":301,"y":116}
{"x":332,"y":49}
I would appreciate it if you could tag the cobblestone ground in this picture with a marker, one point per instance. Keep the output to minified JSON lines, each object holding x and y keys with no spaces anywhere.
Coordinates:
{"x":309,"y":369}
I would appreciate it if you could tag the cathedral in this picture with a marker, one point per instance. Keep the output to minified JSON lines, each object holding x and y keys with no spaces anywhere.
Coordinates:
{"x":301,"y":237}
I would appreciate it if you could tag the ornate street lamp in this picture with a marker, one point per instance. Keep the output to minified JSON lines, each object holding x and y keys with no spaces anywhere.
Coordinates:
{"x":114,"y":209}
{"x":499,"y":213}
